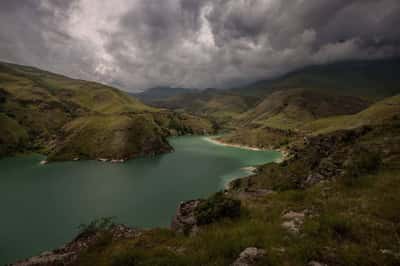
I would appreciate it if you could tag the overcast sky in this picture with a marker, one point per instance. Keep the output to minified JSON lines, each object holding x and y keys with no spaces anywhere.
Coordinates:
{"x":136,"y":44}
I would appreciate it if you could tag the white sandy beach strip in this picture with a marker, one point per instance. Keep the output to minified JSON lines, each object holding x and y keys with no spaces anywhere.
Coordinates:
{"x":212,"y":140}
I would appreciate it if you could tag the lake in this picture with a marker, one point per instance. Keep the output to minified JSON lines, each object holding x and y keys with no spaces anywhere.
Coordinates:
{"x":43,"y":205}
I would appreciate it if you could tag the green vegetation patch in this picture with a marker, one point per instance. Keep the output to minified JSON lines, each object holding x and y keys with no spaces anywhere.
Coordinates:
{"x":216,"y":208}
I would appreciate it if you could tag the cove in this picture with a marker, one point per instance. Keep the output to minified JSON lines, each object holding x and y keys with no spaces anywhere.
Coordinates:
{"x":42,"y":206}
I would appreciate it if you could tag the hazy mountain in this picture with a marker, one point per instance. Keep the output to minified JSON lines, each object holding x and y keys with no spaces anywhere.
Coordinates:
{"x":372,"y":78}
{"x":159,"y":93}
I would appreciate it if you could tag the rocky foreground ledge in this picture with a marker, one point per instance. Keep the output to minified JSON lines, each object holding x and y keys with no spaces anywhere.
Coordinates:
{"x":68,"y":254}
{"x":189,"y":217}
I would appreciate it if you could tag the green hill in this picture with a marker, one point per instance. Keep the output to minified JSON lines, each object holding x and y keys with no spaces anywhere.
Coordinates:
{"x":277,"y":119}
{"x":381,"y":112}
{"x":68,"y":118}
{"x":220,"y":106}
{"x":368,"y":78}
{"x":288,"y":109}
{"x":160,"y":93}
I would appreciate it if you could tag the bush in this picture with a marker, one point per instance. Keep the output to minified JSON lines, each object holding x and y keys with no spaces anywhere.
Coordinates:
{"x":217,"y":207}
{"x":362,"y":162}
{"x":97,"y":225}
{"x":338,"y":226}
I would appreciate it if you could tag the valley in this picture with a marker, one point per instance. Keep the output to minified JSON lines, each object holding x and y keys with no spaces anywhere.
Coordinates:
{"x":337,"y":127}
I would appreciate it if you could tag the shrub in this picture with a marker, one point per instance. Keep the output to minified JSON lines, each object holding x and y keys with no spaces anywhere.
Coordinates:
{"x":125,"y":260}
{"x":97,"y":225}
{"x":338,"y":226}
{"x":148,"y":258}
{"x":217,"y":207}
{"x":362,"y":162}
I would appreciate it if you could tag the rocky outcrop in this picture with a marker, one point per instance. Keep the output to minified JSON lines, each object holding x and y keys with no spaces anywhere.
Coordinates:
{"x":68,"y":254}
{"x":293,"y":221}
{"x":250,"y":256}
{"x":185,"y":220}
{"x":325,"y":156}
{"x":194,"y":213}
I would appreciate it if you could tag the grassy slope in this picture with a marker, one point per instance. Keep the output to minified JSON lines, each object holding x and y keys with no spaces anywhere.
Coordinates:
{"x":375,"y":114}
{"x":13,"y":135}
{"x":219,"y":106}
{"x":288,"y":109}
{"x":110,"y":136}
{"x":354,"y":225}
{"x":275,"y":120}
{"x":69,"y":118}
{"x":30,"y":84}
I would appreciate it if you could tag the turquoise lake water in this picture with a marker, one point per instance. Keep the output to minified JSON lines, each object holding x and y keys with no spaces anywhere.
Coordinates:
{"x":43,"y":205}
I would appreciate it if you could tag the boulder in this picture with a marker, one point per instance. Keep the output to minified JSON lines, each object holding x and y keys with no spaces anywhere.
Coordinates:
{"x":185,"y":220}
{"x":250,"y":256}
{"x":293,"y":221}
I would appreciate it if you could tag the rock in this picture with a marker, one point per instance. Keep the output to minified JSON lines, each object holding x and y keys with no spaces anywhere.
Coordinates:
{"x":293,"y":215}
{"x":184,"y":220}
{"x":293,"y":221}
{"x":292,"y":226}
{"x":49,"y":258}
{"x":68,"y":254}
{"x":103,"y":160}
{"x":249,"y":256}
{"x":316,"y":263}
{"x":390,"y":252}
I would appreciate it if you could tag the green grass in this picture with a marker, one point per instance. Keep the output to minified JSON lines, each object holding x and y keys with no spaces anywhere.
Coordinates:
{"x":258,"y":137}
{"x":35,"y":84}
{"x":377,"y":113}
{"x":12,"y":135}
{"x":110,"y":136}
{"x":218,"y":106}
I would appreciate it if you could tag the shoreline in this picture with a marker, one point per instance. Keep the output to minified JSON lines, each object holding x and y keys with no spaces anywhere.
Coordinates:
{"x":251,"y":170}
{"x":284,"y":153}
{"x":239,"y":146}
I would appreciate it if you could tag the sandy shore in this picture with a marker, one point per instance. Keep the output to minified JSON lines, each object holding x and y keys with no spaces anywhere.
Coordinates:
{"x":251,"y":170}
{"x":284,"y":153}
{"x":218,"y":142}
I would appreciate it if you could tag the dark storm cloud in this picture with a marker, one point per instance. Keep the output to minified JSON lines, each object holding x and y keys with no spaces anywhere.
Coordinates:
{"x":193,"y":43}
{"x":33,"y":33}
